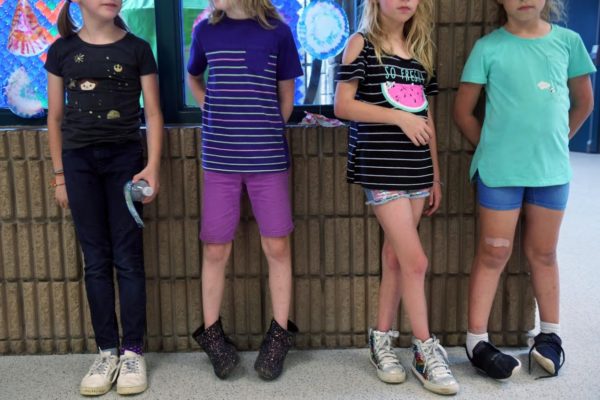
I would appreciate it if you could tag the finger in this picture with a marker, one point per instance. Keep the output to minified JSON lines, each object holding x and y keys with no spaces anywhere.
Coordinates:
{"x":138,"y":177}
{"x":428,"y":131}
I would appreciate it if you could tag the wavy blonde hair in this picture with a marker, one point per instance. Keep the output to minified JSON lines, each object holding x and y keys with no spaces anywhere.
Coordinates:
{"x":554,"y":11}
{"x":261,"y":10}
{"x":417,"y":32}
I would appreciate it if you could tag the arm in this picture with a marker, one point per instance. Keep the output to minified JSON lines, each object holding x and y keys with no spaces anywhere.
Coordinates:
{"x":347,"y":107}
{"x":435,"y":198}
{"x":285,"y":92}
{"x":154,"y":133}
{"x":198,"y":88}
{"x":582,"y":102}
{"x":56,"y":101}
{"x":464,"y":105}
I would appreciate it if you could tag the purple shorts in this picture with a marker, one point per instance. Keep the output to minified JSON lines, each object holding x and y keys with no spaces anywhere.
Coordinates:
{"x":221,"y":199}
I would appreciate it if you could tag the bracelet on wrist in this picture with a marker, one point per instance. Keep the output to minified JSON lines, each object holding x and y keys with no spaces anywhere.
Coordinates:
{"x":439,"y":182}
{"x":58,"y":171}
{"x":54,"y":184}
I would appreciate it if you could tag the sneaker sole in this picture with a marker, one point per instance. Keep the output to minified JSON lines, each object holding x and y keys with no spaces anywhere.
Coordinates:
{"x":544,"y":362}
{"x":132,"y":389}
{"x":391,"y":378}
{"x":95,"y":391}
{"x":448,"y":390}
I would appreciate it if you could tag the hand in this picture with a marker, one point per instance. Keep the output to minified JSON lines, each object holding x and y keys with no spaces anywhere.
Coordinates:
{"x":415,"y":127}
{"x":435,"y":198}
{"x":60,"y":196}
{"x":150,"y":175}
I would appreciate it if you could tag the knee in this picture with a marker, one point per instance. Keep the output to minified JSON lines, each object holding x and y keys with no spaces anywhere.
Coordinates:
{"x":417,"y":266}
{"x":541,"y":257}
{"x":495,"y":253}
{"x":276,"y":248}
{"x":389,"y":259}
{"x":215,"y":253}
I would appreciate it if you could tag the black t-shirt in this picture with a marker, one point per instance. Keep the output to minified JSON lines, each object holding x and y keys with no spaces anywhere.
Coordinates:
{"x":102,"y":86}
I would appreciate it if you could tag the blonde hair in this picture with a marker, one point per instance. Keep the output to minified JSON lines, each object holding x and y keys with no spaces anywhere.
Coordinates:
{"x":554,"y":11}
{"x":417,"y":32}
{"x":261,"y":10}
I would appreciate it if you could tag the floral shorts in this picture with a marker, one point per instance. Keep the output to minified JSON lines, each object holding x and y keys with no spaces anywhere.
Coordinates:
{"x":376,"y":197}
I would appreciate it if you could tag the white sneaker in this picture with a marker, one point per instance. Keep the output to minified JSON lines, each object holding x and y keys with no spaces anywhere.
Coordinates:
{"x":384,"y":358}
{"x":430,"y":365}
{"x":132,"y":374}
{"x":101,"y":376}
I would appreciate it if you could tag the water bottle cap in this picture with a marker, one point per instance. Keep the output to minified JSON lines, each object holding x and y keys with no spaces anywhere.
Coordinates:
{"x":147,"y":191}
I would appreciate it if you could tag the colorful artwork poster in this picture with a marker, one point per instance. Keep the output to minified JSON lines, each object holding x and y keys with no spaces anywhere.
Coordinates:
{"x":28,"y":28}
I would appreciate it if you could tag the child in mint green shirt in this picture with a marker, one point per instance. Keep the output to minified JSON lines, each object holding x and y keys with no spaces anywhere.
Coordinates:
{"x":538,"y":94}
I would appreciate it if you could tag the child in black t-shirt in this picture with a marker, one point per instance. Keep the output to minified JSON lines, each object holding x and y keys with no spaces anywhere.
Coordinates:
{"x":95,"y":76}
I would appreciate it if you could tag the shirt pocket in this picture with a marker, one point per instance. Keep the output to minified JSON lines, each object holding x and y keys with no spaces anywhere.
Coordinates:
{"x":261,"y":61}
{"x":556,"y":74}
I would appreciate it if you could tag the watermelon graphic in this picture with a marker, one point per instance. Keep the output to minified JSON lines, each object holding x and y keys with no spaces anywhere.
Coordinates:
{"x":406,"y":97}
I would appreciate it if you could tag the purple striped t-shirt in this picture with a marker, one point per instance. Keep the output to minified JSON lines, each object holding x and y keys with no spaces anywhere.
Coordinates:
{"x":242,"y":127}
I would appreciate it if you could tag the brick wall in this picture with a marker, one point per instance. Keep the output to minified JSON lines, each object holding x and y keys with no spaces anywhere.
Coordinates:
{"x":335,"y":254}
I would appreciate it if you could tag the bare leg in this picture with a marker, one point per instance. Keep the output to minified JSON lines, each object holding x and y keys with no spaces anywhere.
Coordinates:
{"x":279,"y":257}
{"x":542,"y":226}
{"x":214,"y":259}
{"x":493,"y":251}
{"x":390,"y":291}
{"x":397,"y":220}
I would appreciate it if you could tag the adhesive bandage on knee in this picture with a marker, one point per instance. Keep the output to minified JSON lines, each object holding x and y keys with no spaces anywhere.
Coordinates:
{"x":497,"y":242}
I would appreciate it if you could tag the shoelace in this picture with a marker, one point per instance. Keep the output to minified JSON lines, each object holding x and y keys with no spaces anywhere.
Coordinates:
{"x":436,"y":362}
{"x":100,"y":366}
{"x":384,"y":352}
{"x":556,"y":347}
{"x":130,"y":365}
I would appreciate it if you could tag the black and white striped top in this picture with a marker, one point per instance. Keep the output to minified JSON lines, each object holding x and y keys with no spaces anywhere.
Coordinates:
{"x":381,"y":156}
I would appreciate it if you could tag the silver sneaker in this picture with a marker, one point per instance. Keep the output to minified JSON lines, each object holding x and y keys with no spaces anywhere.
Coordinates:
{"x":430,"y":366}
{"x":384,"y":358}
{"x":132,"y":374}
{"x":101,"y":375}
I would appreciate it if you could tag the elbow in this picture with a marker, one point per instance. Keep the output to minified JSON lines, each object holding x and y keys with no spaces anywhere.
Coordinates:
{"x":457,"y":114}
{"x":340,"y":110}
{"x":590,"y":108}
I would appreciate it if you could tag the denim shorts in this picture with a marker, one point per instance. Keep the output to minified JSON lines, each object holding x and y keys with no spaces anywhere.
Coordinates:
{"x":376,"y":197}
{"x":512,"y":197}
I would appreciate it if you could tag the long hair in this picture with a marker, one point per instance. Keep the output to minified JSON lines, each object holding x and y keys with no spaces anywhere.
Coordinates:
{"x":554,"y":11}
{"x":67,"y":27}
{"x":417,"y":32}
{"x":261,"y":10}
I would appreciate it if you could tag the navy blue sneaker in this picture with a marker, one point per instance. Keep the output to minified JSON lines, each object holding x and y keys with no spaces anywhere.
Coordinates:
{"x":547,"y":351}
{"x":490,"y":361}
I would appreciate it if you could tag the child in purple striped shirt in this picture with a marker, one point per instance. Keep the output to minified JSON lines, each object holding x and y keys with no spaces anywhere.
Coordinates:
{"x":252,"y":61}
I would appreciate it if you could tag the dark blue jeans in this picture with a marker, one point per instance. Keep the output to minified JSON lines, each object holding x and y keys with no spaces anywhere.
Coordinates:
{"x":109,"y":236}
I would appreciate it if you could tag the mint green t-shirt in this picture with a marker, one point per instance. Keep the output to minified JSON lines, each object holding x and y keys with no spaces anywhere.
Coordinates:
{"x":525,"y":134}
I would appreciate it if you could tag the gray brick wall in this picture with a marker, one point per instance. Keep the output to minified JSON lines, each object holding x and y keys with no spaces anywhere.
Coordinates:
{"x":336,"y":254}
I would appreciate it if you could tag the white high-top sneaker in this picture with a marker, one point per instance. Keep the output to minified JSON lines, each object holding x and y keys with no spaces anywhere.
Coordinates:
{"x":132,"y":374}
{"x":430,"y":365}
{"x":101,"y":376}
{"x":384,"y":358}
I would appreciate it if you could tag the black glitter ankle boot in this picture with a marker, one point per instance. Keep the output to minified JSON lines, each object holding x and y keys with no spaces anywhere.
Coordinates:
{"x":220,"y":349}
{"x":274,"y":348}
